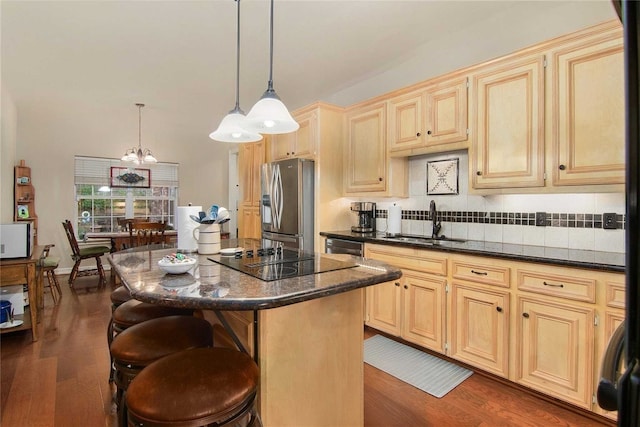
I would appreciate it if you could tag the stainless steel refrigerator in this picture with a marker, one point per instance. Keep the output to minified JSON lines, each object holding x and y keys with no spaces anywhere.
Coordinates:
{"x":287,"y":203}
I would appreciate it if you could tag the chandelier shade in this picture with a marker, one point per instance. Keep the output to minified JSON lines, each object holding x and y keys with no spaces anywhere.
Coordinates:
{"x":232,"y":127}
{"x":136,"y":154}
{"x":269,"y":115}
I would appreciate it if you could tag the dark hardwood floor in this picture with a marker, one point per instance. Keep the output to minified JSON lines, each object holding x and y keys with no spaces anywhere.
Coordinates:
{"x":61,"y":380}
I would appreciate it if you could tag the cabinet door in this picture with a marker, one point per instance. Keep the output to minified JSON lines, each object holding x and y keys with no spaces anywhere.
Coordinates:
{"x":423,"y":309}
{"x":245,"y":162}
{"x":446,"y":115}
{"x":480,"y":328}
{"x":306,"y":139}
{"x":588,"y":114}
{"x":508,"y":125}
{"x":406,"y":121}
{"x":258,"y":158}
{"x":555,"y":344}
{"x":366,"y":149}
{"x":249,"y":225}
{"x":384,"y":302}
{"x":282,"y":146}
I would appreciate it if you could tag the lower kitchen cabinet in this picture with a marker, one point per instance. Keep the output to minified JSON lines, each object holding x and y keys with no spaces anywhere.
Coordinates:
{"x":412,"y":307}
{"x":542,"y":326}
{"x":479,"y":327}
{"x":384,"y":305}
{"x":555,"y":343}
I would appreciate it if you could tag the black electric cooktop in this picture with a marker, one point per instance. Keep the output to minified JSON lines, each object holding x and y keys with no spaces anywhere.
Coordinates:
{"x":281,"y":263}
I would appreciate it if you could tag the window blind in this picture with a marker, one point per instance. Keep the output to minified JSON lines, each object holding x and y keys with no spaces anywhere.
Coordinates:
{"x":97,"y":171}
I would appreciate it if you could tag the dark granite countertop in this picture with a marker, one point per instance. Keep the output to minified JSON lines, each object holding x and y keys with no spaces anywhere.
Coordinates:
{"x":212,"y":286}
{"x":595,"y":260}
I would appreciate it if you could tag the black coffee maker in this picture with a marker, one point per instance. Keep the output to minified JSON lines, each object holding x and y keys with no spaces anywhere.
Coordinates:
{"x":366,"y":212}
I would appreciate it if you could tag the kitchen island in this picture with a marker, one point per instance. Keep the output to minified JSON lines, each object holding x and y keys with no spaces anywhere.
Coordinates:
{"x":308,"y":338}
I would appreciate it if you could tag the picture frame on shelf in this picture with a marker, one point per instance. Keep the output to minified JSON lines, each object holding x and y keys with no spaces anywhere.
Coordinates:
{"x":130,"y":177}
{"x":23,"y":211}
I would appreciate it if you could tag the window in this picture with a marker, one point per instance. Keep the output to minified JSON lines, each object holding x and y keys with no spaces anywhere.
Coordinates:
{"x":100,"y":207}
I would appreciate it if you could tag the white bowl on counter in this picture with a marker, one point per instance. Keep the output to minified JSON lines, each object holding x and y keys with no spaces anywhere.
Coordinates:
{"x":177,"y":267}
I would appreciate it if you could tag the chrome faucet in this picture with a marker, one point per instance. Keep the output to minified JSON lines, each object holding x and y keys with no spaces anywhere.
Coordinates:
{"x":437,"y":225}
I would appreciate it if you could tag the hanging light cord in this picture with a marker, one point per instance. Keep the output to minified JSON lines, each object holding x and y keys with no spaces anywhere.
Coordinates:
{"x":140,"y":127}
{"x":237,"y":109}
{"x":270,"y":86}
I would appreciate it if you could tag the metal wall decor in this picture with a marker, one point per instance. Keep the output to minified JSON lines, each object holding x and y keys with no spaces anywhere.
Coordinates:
{"x":127,"y":177}
{"x":442,"y":176}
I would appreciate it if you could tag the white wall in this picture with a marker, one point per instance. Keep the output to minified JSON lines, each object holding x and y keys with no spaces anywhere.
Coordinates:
{"x":8,"y":124}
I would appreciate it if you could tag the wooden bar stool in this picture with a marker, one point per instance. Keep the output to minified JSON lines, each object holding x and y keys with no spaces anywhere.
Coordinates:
{"x":132,"y":312}
{"x":146,"y":342}
{"x":199,"y":387}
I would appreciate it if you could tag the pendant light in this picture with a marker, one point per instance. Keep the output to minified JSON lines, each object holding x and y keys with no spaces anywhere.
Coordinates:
{"x":138,"y":155}
{"x":231,"y":128}
{"x":270,"y":115}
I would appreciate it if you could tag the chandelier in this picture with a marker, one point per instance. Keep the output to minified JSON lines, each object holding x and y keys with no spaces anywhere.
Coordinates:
{"x":136,"y":154}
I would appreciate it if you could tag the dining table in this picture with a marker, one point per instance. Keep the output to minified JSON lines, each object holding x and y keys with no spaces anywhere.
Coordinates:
{"x":123,"y":239}
{"x":306,"y":329}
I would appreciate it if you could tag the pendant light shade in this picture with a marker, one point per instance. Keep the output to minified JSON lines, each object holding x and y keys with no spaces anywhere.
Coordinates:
{"x":232,"y":127}
{"x":269,"y":115}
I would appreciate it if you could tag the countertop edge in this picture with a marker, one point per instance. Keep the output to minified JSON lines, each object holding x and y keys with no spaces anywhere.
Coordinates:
{"x":347,"y":235}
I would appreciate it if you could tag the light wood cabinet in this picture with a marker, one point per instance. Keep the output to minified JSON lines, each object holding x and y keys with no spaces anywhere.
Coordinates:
{"x":24,"y":197}
{"x":368,"y":170}
{"x":429,"y":119}
{"x":479,"y":327}
{"x":555,"y":343}
{"x":412,"y":307}
{"x":299,"y":144}
{"x":251,"y":157}
{"x":588,"y":110}
{"x":542,"y":326}
{"x":507,"y":143}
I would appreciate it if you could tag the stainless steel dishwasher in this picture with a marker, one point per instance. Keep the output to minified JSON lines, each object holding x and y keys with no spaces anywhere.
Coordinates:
{"x":340,"y":246}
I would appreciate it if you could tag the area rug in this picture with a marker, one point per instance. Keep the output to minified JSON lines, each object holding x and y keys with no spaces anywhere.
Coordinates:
{"x":428,"y":373}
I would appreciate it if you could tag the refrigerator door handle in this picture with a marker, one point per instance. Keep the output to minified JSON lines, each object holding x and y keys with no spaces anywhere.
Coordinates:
{"x":609,"y":372}
{"x":276,"y":194}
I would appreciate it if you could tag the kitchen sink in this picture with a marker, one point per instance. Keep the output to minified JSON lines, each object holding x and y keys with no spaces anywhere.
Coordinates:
{"x":422,"y":239}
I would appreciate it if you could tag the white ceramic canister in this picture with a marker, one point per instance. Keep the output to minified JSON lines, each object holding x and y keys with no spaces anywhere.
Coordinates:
{"x":208,"y":238}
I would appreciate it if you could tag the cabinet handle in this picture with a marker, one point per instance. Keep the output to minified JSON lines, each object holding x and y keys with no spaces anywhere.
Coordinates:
{"x":287,"y":153}
{"x":562,"y":167}
{"x":479,"y":173}
{"x":397,"y":283}
{"x":380,"y":179}
{"x":428,"y":132}
{"x":479,"y":273}
{"x":406,"y":287}
{"x":499,"y":309}
{"x":553,"y":285}
{"x":418,"y":134}
{"x":525,"y":315}
{"x":293,"y":152}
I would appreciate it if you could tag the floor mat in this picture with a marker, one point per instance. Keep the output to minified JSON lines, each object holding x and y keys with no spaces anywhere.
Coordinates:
{"x":428,"y":373}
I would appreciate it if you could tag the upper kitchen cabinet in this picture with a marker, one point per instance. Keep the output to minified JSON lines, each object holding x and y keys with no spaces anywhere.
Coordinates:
{"x":507,"y":137}
{"x":368,"y":169}
{"x":299,"y":144}
{"x":588,"y":109}
{"x":429,"y":119}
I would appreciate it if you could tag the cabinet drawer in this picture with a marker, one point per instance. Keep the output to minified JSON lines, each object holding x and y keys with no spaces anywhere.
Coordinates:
{"x":13,"y":275}
{"x":481,"y":273}
{"x":557,"y":285}
{"x":615,"y":294}
{"x":409,"y":258}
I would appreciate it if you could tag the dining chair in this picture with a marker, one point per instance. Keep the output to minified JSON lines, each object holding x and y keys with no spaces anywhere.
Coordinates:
{"x":48,"y":264}
{"x":78,"y":254}
{"x":147,"y":233}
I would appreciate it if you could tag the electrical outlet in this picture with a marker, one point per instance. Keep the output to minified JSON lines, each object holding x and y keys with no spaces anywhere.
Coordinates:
{"x":609,"y":221}
{"x":541,"y":219}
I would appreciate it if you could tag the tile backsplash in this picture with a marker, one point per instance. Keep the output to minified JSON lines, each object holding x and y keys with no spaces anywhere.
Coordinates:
{"x":571,"y":221}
